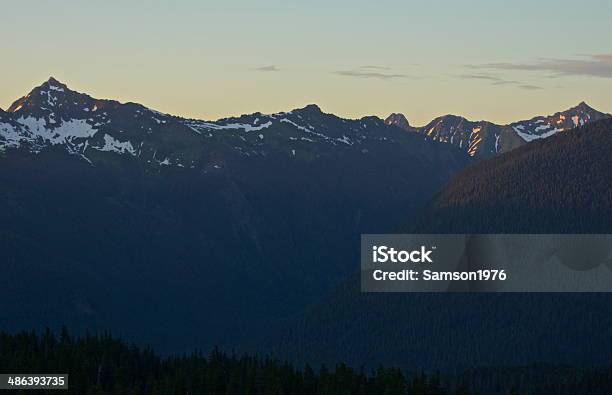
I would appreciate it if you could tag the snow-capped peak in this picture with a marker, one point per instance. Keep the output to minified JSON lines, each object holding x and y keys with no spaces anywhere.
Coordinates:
{"x":545,"y":126}
{"x":55,"y":85}
{"x":45,"y":96}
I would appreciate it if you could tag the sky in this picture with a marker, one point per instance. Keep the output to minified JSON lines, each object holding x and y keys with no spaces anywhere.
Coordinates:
{"x":496,"y":60}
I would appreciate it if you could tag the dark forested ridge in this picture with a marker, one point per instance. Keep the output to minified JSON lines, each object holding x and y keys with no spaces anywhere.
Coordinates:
{"x":450,"y":332}
{"x":182,"y":258}
{"x":102,"y":364}
{"x":559,"y":185}
{"x":562,"y":184}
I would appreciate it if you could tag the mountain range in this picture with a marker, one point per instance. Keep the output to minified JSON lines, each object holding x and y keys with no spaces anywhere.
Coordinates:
{"x":54,"y":115}
{"x":483,"y":139}
{"x":182,"y":233}
{"x":244,"y":232}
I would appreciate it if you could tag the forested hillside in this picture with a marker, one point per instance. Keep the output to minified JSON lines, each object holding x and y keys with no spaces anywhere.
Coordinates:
{"x":562,"y":184}
{"x":559,"y":185}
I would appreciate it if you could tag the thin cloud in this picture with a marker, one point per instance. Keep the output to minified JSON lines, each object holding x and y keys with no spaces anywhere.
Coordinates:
{"x":506,"y":82}
{"x":495,"y":80}
{"x":374,"y":67}
{"x":479,"y":77}
{"x":361,"y":73}
{"x":492,"y":78}
{"x":593,"y":66}
{"x":267,"y":68}
{"x":530,"y":87}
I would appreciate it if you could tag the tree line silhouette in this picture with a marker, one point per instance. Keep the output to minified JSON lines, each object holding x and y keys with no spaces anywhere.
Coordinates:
{"x":103,"y":364}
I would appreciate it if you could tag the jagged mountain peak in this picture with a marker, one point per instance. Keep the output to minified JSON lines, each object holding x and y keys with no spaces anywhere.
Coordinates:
{"x":52,"y":114}
{"x":47,"y":96}
{"x":312,"y":107}
{"x":373,"y":118}
{"x":309,"y":108}
{"x":583,"y":106}
{"x":451,"y":122}
{"x":399,"y":120}
{"x":452,"y":118}
{"x":53,"y":83}
{"x":545,"y":126}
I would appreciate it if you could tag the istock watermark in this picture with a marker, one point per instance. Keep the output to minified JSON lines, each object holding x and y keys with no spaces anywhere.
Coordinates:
{"x":486,"y":263}
{"x":389,"y":254}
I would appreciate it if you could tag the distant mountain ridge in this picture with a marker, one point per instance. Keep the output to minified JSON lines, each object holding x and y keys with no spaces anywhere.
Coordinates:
{"x":483,"y":139}
{"x":54,"y":115}
{"x":92,"y":129}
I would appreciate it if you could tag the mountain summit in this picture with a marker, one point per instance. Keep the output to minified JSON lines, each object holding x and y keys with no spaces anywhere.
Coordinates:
{"x":45,"y":95}
{"x":484,"y":139}
{"x":398,"y":120}
{"x":583,"y":106}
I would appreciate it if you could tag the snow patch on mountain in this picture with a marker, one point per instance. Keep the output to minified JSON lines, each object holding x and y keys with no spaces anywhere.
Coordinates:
{"x":62,"y":133}
{"x":246,"y":127}
{"x":113,"y":145}
{"x":10,"y":135}
{"x":299,"y":127}
{"x":531,"y":137}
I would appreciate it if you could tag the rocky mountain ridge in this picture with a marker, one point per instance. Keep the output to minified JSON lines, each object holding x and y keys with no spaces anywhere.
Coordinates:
{"x":484,"y":139}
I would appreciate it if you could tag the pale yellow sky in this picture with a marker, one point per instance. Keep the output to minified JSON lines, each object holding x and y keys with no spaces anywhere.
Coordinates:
{"x":479,"y":59}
